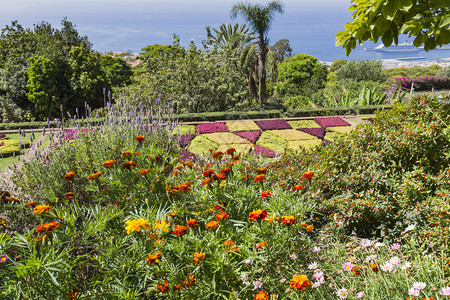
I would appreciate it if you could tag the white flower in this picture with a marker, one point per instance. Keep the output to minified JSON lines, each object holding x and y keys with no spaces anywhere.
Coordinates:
{"x":395,"y":261}
{"x":248,"y":261}
{"x":360,"y":295}
{"x":257,"y":284}
{"x":372,"y":257}
{"x":413,"y":292}
{"x":419,"y":285}
{"x":293,"y":256}
{"x":410,"y":227}
{"x":406,"y":265}
{"x":342,"y":293}
{"x":387,"y":267}
{"x":313,"y":266}
{"x":315,"y":249}
{"x":366,"y":243}
{"x":378,"y":244}
{"x":244,"y":278}
{"x":318,"y":276}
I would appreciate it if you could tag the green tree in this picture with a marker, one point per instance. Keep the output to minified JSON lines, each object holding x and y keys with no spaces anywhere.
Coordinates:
{"x":259,"y":18}
{"x":337,"y":64}
{"x":41,"y":84}
{"x":116,"y":70}
{"x":360,"y":70}
{"x":428,"y":21}
{"x":281,"y":49}
{"x":299,"y":77}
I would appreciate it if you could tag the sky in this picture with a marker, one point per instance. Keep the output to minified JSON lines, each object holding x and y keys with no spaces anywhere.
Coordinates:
{"x":133,"y":24}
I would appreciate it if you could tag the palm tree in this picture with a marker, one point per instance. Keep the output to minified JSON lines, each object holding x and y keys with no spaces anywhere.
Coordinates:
{"x":235,"y":37}
{"x":259,"y":18}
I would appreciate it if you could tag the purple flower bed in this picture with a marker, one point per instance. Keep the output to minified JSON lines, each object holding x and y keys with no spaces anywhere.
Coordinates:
{"x":252,"y":136}
{"x":184,"y":139}
{"x":2,"y":135}
{"x":273,"y":124}
{"x":69,"y":134}
{"x":212,"y":127}
{"x":318,"y":132}
{"x":187,"y":156}
{"x":331,"y":122}
{"x":259,"y":150}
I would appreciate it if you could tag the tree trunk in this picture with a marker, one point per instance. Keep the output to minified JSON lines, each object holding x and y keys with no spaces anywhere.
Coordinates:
{"x":262,"y":72}
{"x":251,"y":81}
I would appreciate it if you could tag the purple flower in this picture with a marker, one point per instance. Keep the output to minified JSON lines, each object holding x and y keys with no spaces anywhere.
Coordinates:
{"x":186,"y":155}
{"x":445,"y":291}
{"x":257,"y":284}
{"x":331,"y":122}
{"x":259,"y":150}
{"x":318,"y":132}
{"x":3,"y":258}
{"x":273,"y":124}
{"x":212,"y":127}
{"x":395,"y":246}
{"x":184,"y":139}
{"x":252,"y":136}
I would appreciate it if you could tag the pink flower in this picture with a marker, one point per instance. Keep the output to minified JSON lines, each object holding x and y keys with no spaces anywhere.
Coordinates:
{"x":395,"y":246}
{"x":445,"y":291}
{"x":360,"y":295}
{"x":347,"y":266}
{"x":414,"y":292}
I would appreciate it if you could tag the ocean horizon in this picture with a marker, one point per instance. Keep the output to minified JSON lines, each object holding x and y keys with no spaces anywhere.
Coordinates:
{"x":130,"y":26}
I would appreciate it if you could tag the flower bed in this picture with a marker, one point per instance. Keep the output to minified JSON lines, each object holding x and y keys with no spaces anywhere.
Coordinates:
{"x":303,"y":124}
{"x":317,"y":132}
{"x":292,"y":135}
{"x":251,"y":136}
{"x":225,"y":138}
{"x":240,"y":148}
{"x":184,"y":129}
{"x":340,"y":129}
{"x":201,"y":145}
{"x":262,"y":151}
{"x":245,"y":125}
{"x":212,"y":127}
{"x":273,"y":124}
{"x":295,"y":145}
{"x":331,"y":122}
{"x":271,"y":141}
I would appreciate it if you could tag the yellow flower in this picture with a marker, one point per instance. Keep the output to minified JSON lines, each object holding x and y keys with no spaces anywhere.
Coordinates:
{"x":135,"y":225}
{"x":161,"y":226}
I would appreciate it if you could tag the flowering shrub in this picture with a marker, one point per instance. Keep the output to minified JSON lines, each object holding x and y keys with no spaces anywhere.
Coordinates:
{"x":317,"y":132}
{"x":273,"y":124}
{"x":251,"y":136}
{"x":331,"y":122}
{"x":424,"y":83}
{"x":212,"y":127}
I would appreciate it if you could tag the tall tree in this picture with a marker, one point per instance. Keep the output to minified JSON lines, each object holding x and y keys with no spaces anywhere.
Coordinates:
{"x":428,"y":21}
{"x":259,"y":18}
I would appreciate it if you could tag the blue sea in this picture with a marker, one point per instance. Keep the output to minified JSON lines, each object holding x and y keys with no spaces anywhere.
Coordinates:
{"x":112,"y":25}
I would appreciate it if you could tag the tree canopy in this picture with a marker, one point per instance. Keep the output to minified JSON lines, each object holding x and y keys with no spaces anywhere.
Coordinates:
{"x":426,"y":20}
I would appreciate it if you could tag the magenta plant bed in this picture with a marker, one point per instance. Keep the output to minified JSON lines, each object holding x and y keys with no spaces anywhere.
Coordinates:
{"x":252,"y":136}
{"x":2,"y":135}
{"x":331,"y":122}
{"x":259,"y":150}
{"x":318,"y":132}
{"x":184,"y":139}
{"x":212,"y":127}
{"x":187,"y":156}
{"x":273,"y":124}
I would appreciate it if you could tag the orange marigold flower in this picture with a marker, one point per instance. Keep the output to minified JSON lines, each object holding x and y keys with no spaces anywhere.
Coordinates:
{"x":308,"y":175}
{"x":188,"y":164}
{"x":298,"y":187}
{"x":190,"y":280}
{"x":42,"y":209}
{"x":192,"y":223}
{"x":225,"y":171}
{"x":299,"y":282}
{"x":73,"y":295}
{"x":94,"y":176}
{"x":374,"y":267}
{"x":228,"y":246}
{"x":261,"y":296}
{"x":137,"y":153}
{"x":70,"y":195}
{"x":212,"y":224}
{"x":288,"y":220}
{"x":175,"y":173}
{"x":48,"y":227}
{"x":69,"y":175}
{"x":172,"y":213}
{"x":40,"y":238}
{"x":208,"y":173}
{"x":32,"y":203}
{"x":231,"y":151}
{"x":136,"y":225}
{"x":14,"y":199}
{"x":163,"y":286}
{"x":260,"y":171}
{"x":153,"y":257}
{"x":217,"y":154}
{"x":259,"y":214}
{"x":220,"y":206}
{"x":129,"y":164}
{"x":139,"y":138}
{"x":180,"y":230}
{"x":309,"y":228}
{"x":145,"y":171}
{"x":109,"y":163}
{"x":260,"y":177}
{"x":127,"y":154}
{"x":206,"y":181}
{"x":235,"y":158}
{"x":356,"y":270}
{"x":178,"y":287}
{"x":221,"y":177}
{"x":261,"y":245}
{"x":198,"y":257}
{"x":282,"y":183}
{"x":266,"y":194}
{"x":185,"y":187}
{"x":221,"y":216}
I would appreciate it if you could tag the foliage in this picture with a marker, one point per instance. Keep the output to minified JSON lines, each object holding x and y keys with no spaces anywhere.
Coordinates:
{"x":337,"y":64}
{"x":427,"y":21}
{"x":281,"y":49}
{"x":415,"y":71}
{"x":300,"y":76}
{"x":445,"y":72}
{"x":360,"y":70}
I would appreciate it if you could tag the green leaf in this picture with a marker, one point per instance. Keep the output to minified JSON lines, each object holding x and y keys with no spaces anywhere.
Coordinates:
{"x":387,"y":38}
{"x":445,"y":21}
